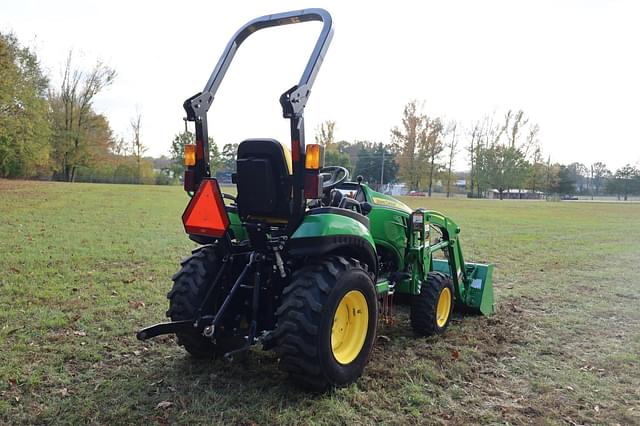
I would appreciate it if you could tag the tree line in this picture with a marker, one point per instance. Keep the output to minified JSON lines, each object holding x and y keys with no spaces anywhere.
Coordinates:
{"x":54,"y":132}
{"x":504,"y":154}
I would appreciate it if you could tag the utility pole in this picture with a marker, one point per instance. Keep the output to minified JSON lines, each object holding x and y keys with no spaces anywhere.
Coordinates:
{"x":382,"y":171}
{"x":591,"y":182}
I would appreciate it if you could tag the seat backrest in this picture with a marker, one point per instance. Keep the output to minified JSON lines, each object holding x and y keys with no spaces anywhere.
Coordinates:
{"x":263,"y":180}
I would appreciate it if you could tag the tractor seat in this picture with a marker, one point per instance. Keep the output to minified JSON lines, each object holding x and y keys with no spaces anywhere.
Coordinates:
{"x":263,"y":179}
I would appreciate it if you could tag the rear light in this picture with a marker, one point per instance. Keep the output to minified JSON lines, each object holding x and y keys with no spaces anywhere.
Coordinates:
{"x":314,"y":160}
{"x":189,"y":155}
{"x":189,"y":181}
{"x":312,"y":185}
{"x":205,"y":214}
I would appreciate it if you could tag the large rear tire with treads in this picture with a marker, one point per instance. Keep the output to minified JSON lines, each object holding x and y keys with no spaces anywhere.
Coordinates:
{"x":326,"y":324}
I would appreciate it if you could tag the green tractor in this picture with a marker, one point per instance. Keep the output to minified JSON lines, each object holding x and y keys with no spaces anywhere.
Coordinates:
{"x":303,"y":260}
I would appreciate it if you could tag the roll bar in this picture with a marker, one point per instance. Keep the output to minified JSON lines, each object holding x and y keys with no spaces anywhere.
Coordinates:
{"x":292,"y":101}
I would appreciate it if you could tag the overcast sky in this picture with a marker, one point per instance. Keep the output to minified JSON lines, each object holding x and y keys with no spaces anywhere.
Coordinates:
{"x":572,"y":66}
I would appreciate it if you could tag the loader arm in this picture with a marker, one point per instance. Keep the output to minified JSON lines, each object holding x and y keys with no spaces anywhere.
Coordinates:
{"x":473,"y":283}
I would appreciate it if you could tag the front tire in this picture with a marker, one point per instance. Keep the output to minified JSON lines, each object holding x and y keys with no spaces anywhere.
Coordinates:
{"x":431,"y":309}
{"x":326,"y":324}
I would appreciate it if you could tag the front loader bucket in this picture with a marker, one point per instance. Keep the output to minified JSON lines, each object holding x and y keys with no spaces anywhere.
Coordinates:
{"x":477,"y":291}
{"x":480,"y":290}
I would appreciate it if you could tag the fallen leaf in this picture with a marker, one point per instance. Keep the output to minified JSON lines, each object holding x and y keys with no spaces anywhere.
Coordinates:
{"x":136,"y":304}
{"x":64,"y":392}
{"x":515,"y":308}
{"x":164,"y":405}
{"x":455,"y":354}
{"x":161,"y":421}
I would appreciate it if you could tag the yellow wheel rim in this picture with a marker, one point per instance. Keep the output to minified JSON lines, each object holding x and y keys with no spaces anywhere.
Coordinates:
{"x":350,"y":325}
{"x":444,"y":307}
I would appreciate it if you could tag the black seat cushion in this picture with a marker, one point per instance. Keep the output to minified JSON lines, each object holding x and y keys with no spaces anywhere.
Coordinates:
{"x":264,"y":184}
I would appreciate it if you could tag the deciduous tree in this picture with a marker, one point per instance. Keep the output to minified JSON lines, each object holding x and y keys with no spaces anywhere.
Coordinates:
{"x":73,"y":116}
{"x":229,"y":154}
{"x":625,"y":182}
{"x":137,"y":147}
{"x":176,"y":152}
{"x":372,"y":158}
{"x":599,"y":174}
{"x":406,"y":140}
{"x":24,"y":122}
{"x":431,"y":146}
{"x":452,"y":150}
{"x":325,"y":133}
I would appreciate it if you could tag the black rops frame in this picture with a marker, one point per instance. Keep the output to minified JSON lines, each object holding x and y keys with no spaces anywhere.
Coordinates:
{"x":293,"y":100}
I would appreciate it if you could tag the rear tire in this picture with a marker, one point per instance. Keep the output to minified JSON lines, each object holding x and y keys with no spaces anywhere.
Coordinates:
{"x":190,"y":285}
{"x":326,"y":324}
{"x":431,"y":309}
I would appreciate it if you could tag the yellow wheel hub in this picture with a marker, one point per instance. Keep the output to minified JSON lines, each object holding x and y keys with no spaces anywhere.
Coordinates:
{"x":350,"y":325}
{"x":444,"y":307}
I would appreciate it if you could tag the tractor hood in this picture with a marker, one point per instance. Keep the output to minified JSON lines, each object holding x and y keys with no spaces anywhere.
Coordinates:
{"x":383,"y":200}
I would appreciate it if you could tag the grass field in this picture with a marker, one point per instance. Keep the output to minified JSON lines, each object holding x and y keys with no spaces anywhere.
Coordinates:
{"x":83,"y":266}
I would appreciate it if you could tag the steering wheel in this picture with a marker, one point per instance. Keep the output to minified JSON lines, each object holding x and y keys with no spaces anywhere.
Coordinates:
{"x":333,"y":176}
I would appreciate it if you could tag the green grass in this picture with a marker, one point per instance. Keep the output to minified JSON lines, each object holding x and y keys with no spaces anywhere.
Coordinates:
{"x":82,"y":267}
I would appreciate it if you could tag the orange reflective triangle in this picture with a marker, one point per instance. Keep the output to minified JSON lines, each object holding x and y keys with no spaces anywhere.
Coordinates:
{"x":205,"y":214}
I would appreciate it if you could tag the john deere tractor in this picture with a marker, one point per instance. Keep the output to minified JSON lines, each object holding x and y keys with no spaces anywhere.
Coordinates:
{"x":303,"y":260}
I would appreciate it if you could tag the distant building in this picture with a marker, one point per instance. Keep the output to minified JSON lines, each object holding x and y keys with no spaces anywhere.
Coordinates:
{"x":516,"y":194}
{"x":395,"y":189}
{"x":224,"y":177}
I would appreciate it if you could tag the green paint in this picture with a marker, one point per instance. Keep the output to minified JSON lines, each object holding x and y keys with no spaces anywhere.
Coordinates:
{"x":391,"y":235}
{"x":327,"y":224}
{"x":236,"y":226}
{"x":384,"y":200}
{"x":390,"y":228}
{"x":382,"y":286}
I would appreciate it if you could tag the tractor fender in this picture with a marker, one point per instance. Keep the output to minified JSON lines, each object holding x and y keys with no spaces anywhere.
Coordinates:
{"x":329,"y":232}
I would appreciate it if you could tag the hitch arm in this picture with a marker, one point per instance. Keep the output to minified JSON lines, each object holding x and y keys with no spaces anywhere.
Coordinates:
{"x":165,"y":328}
